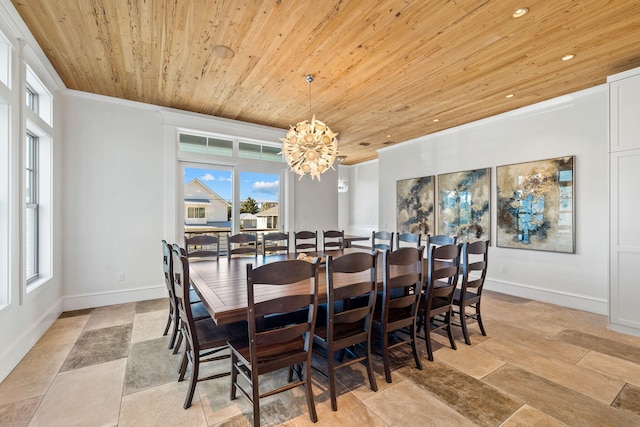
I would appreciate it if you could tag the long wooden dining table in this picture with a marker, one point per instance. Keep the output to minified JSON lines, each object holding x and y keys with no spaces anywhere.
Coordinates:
{"x":222,"y":285}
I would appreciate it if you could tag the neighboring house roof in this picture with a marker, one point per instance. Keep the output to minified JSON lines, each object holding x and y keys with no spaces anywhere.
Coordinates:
{"x":247,"y":216}
{"x":214,"y":195}
{"x":269,"y":212}
{"x":198,"y":201}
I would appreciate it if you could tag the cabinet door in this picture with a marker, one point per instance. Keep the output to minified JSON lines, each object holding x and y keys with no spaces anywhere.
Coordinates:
{"x":625,"y":242}
{"x":624,"y":113}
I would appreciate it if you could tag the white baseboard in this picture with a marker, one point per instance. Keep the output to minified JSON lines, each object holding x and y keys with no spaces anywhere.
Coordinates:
{"x":79,"y":302}
{"x":623,"y":329}
{"x":552,"y":296}
{"x":14,"y":353}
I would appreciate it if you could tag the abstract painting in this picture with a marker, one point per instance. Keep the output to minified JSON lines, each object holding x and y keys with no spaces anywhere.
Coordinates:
{"x":536,"y":205}
{"x":463,"y":205}
{"x":415,"y":205}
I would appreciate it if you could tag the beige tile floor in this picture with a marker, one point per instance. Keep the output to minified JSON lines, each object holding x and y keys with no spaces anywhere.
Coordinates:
{"x":540,"y":365}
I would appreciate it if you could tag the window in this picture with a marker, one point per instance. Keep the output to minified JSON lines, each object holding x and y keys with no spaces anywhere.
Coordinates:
{"x":37,"y":149}
{"x":249,"y":150}
{"x":205,"y":145}
{"x":195,"y":212}
{"x":4,"y":203}
{"x":31,"y":191}
{"x":5,"y":60}
{"x":32,"y":99}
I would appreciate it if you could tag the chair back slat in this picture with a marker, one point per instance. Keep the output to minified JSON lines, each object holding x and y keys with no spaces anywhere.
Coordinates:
{"x":202,"y":246}
{"x":273,"y":243}
{"x":382,"y":240}
{"x":242,"y":244}
{"x":284,"y":304}
{"x":408,"y":239}
{"x":305,"y":240}
{"x":332,"y":239}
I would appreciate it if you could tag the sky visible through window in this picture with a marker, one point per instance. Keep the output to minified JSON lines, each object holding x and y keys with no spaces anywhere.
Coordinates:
{"x":262,"y":187}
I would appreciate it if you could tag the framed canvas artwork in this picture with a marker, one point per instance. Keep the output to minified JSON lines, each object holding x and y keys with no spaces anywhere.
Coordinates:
{"x":415,"y":205}
{"x":464,"y":205}
{"x":536,"y":205}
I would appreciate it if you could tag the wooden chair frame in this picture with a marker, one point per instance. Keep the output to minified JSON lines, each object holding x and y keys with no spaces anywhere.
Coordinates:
{"x":442,"y":278}
{"x":274,"y":243}
{"x":304,"y":237}
{"x":378,"y":239}
{"x":209,"y":247}
{"x":332,"y":240}
{"x":348,"y":322}
{"x":203,"y":338}
{"x":402,"y":281}
{"x":247,"y":245}
{"x":285,"y":346}
{"x":470,"y":292}
{"x":413,"y":239}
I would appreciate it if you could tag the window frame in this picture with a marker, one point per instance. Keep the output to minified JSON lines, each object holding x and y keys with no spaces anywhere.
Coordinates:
{"x":32,"y":203}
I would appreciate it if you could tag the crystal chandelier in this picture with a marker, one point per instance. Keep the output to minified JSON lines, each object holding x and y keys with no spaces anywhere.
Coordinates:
{"x":310,"y":147}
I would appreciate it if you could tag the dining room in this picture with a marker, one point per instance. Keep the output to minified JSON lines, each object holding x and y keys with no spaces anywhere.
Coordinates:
{"x":115,"y":189}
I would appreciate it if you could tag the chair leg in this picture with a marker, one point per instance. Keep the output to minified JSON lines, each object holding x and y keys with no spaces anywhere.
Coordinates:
{"x":372,"y":378}
{"x":479,"y":319}
{"x":234,"y":375}
{"x":332,"y":379}
{"x":309,"y":390}
{"x":427,"y":338}
{"x":450,"y":330}
{"x":192,"y":382}
{"x":414,"y":346}
{"x":385,"y":355}
{"x":169,"y":320}
{"x":256,"y":399}
{"x":183,"y":366}
{"x":463,"y":323}
{"x":174,"y":335}
{"x":176,"y":348}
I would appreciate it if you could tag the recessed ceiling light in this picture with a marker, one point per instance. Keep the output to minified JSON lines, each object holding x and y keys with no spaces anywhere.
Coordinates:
{"x":567,"y":57}
{"x":520,"y":12}
{"x":222,"y":51}
{"x":509,"y":96}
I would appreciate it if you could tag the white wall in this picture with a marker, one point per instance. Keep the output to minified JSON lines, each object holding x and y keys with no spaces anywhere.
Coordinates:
{"x":316,"y":203}
{"x":570,"y":125}
{"x":113,"y":181}
{"x":362,"y":199}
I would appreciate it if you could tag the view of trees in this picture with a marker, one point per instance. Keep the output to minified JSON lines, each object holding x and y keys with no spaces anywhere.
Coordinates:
{"x":249,"y":206}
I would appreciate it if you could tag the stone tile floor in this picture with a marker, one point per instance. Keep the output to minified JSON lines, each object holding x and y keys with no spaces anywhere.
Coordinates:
{"x":540,"y":365}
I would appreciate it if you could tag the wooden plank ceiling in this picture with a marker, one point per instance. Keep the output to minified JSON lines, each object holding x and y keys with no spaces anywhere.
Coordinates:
{"x":385,"y":69}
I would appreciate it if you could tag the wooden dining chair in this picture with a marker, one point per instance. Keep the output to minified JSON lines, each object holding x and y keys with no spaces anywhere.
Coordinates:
{"x":286,"y":346}
{"x":408,"y":239}
{"x":402,"y":281}
{"x":242,"y":244}
{"x":440,"y":239}
{"x":470,"y":292}
{"x":382,"y":240}
{"x":203,"y":246}
{"x":351,"y":280}
{"x":306,"y":241}
{"x":436,"y":308}
{"x":204,"y":339}
{"x":332,"y":240}
{"x":197,"y":307}
{"x":275,"y":243}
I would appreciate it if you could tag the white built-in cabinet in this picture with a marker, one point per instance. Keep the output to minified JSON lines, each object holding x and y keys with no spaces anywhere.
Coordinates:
{"x":624,"y":172}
